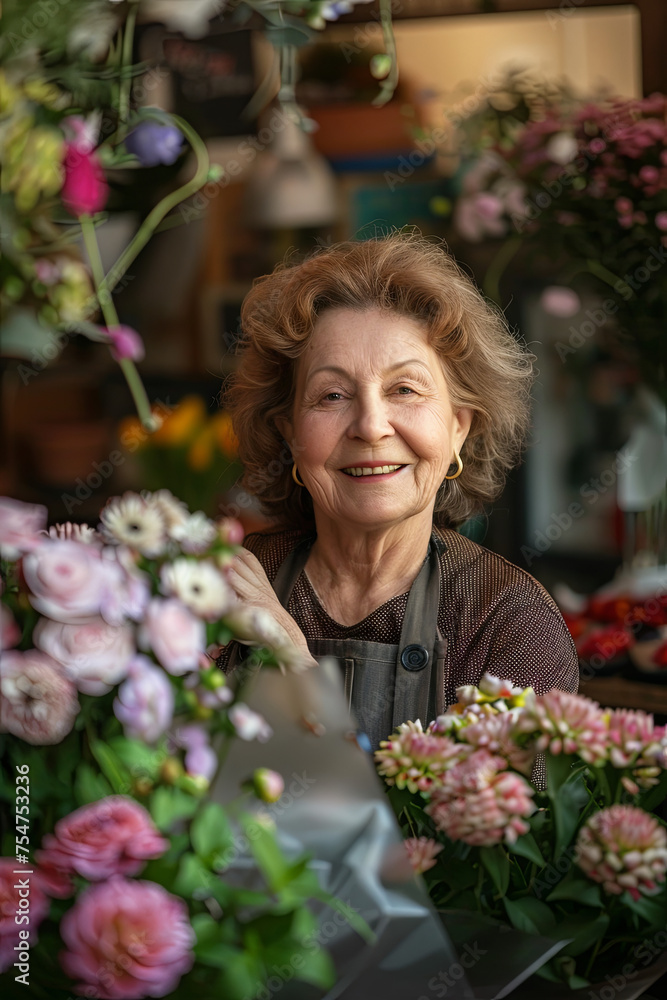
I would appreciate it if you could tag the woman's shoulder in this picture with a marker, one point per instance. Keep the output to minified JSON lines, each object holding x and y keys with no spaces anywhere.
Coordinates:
{"x":272,"y":547}
{"x":486,"y":576}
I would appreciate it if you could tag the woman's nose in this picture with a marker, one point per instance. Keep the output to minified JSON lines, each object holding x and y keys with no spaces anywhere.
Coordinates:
{"x":370,"y":418}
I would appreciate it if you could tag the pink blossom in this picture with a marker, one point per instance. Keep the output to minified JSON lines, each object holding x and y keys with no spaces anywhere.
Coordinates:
{"x":175,"y":635}
{"x":200,"y":759}
{"x":67,"y":580}
{"x":623,"y":206}
{"x":38,"y":701}
{"x":422,"y":853}
{"x":94,"y":655}
{"x":231,"y":531}
{"x":496,"y":732}
{"x":125,"y":343}
{"x":85,"y":190}
{"x":661,"y":221}
{"x":9,"y":907}
{"x":649,"y":174}
{"x":560,"y":301}
{"x":636,"y":742}
{"x":566,"y":723}
{"x":114,"y":836}
{"x":481,"y":803}
{"x":249,"y":725}
{"x":623,"y":848}
{"x":127,"y":590}
{"x":417,"y":760}
{"x":145,"y":702}
{"x":480,"y":215}
{"x":127,"y":939}
{"x":10,"y":633}
{"x":20,"y":524}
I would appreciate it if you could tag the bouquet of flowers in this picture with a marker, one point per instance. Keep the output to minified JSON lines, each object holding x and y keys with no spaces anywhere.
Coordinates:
{"x":587,"y":182}
{"x":118,"y":877}
{"x":192,"y":451}
{"x":579,"y":858}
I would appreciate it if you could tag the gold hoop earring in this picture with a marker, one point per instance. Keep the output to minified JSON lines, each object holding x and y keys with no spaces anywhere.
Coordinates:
{"x":295,"y":476}
{"x":459,"y":469}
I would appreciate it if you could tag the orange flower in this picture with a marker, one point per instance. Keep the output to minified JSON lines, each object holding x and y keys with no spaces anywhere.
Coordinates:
{"x":228,"y":443}
{"x":182,"y":423}
{"x":200,"y":452}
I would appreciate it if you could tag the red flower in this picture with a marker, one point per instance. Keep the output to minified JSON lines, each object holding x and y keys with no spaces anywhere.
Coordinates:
{"x":85,"y":190}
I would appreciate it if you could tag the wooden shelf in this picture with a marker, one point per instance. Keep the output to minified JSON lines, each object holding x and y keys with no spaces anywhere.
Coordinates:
{"x":618,"y":692}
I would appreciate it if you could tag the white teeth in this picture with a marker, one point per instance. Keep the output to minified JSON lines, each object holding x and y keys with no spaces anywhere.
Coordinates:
{"x":365,"y":471}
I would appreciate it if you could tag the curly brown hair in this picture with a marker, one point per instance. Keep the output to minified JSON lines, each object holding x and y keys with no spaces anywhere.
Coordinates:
{"x":486,"y":367}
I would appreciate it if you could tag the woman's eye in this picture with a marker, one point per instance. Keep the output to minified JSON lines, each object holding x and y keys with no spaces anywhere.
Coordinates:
{"x":329,"y":396}
{"x":404,"y":389}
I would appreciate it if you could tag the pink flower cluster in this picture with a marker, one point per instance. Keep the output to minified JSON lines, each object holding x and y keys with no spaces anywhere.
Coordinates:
{"x":566,"y":723}
{"x":422,"y":853}
{"x":623,"y":848}
{"x":480,"y":802}
{"x":417,"y":760}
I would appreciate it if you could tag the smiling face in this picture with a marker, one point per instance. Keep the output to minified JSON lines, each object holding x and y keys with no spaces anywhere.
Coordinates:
{"x":373,"y":428}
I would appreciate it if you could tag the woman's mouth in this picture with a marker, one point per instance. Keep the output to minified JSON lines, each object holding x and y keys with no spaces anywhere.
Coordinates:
{"x":361,"y":471}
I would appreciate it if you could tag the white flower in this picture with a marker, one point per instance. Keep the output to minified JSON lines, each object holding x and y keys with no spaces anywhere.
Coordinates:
{"x":131,"y":521}
{"x":73,"y":533}
{"x":249,"y":725}
{"x":196,"y":534}
{"x":562,"y":148}
{"x":174,"y":512}
{"x":199,"y":585}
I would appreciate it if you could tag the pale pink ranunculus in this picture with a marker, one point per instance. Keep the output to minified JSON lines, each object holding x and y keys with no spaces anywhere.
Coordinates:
{"x":127,"y":939}
{"x":67,"y":580}
{"x":20,"y":524}
{"x":10,"y":901}
{"x":94,"y":655}
{"x":623,"y":847}
{"x":481,"y":803}
{"x":114,"y":836}
{"x":38,"y":702}
{"x":422,"y":853}
{"x":174,"y":634}
{"x":10,"y":633}
{"x":145,"y":702}
{"x":479,"y":215}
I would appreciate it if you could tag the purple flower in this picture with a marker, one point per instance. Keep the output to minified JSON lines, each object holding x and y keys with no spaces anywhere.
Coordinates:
{"x":153,"y":143}
{"x":124,"y":342}
{"x":145,"y":702}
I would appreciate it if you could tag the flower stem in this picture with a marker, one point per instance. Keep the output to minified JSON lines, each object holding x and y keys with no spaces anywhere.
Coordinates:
{"x":125,"y":84}
{"x":497,"y":266}
{"x":390,"y":83}
{"x":155,"y":217}
{"x":110,"y":315}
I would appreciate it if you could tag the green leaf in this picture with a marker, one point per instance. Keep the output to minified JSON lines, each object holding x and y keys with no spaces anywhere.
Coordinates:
{"x":530,"y":915}
{"x":318,"y":968}
{"x":559,"y":769}
{"x":206,"y":929}
{"x":583,"y":892}
{"x":167,"y":805}
{"x":527,"y":847}
{"x":497,"y":864}
{"x":193,"y":877}
{"x":141,"y":760}
{"x":210,"y":832}
{"x":89,"y":786}
{"x":583,"y":931}
{"x":568,"y":805}
{"x":112,"y":767}
{"x":653,"y":797}
{"x":266,"y":852}
{"x":650,"y":910}
{"x":219,"y":955}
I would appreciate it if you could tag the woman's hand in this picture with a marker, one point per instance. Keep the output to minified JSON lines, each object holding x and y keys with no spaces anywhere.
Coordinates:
{"x":246,"y":575}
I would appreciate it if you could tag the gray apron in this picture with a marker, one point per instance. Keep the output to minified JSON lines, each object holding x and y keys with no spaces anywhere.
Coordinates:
{"x":387,"y":684}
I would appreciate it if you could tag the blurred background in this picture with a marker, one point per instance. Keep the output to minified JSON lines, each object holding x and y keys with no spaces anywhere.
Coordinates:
{"x":448,"y":154}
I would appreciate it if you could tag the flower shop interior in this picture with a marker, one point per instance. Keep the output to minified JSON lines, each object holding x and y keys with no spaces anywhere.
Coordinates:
{"x":158,"y":156}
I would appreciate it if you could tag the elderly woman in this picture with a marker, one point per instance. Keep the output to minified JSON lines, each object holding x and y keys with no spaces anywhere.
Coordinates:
{"x":379,"y":403}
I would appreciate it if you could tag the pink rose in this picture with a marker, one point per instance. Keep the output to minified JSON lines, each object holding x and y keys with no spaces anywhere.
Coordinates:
{"x":114,"y":836}
{"x":85,"y":190}
{"x":10,"y":905}
{"x":20,"y":524}
{"x":94,"y":655}
{"x":174,"y":634}
{"x":68,"y":581}
{"x":127,"y":940}
{"x":145,"y":702}
{"x":38,"y":701}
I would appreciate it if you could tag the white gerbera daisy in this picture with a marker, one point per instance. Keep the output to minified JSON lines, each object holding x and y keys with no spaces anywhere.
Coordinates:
{"x":73,"y":532}
{"x":174,"y":512}
{"x":199,"y":585}
{"x":130,"y":520}
{"x":195,"y":534}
